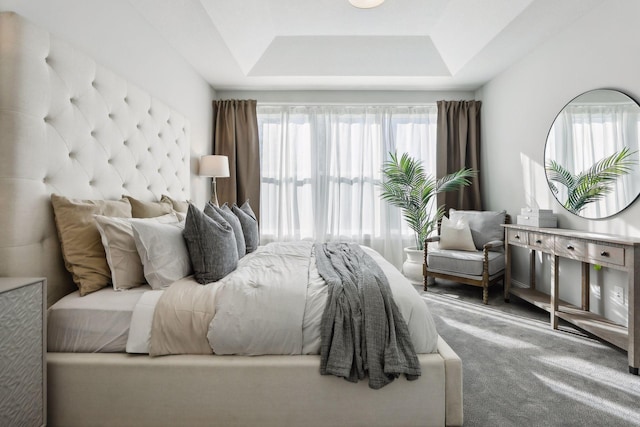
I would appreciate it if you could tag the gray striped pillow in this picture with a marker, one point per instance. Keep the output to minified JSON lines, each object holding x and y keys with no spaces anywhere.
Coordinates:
{"x":249,"y":225}
{"x":212,"y":245}
{"x":233,"y":221}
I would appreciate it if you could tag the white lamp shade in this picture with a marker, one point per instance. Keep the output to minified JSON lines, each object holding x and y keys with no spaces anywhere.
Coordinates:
{"x":214,"y":165}
{"x":366,"y":4}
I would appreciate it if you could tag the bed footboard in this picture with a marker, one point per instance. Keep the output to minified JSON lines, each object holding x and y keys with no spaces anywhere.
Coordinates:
{"x":129,"y":390}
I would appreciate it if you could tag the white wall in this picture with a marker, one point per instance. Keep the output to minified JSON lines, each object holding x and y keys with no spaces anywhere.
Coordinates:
{"x":598,"y":51}
{"x":109,"y":32}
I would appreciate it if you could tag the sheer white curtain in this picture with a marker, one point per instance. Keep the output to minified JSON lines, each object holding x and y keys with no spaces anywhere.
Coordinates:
{"x":583,"y":134}
{"x":321,"y":166}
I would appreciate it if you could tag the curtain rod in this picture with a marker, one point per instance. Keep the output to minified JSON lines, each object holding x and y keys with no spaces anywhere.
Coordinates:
{"x":347,"y":104}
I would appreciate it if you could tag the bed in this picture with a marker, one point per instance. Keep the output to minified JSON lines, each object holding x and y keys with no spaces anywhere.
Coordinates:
{"x":69,"y":126}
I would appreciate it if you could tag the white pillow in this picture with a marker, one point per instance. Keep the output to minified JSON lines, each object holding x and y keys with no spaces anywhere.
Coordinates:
{"x":122,"y":256}
{"x":456,"y":235}
{"x":163,"y":252}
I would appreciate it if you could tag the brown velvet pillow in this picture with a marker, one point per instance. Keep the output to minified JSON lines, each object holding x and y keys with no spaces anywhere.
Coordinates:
{"x":141,"y":209}
{"x":178,"y":205}
{"x":82,"y":249}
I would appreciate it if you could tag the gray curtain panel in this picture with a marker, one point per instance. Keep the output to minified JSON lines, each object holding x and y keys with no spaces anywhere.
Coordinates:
{"x":235,"y":134}
{"x":458,"y":146}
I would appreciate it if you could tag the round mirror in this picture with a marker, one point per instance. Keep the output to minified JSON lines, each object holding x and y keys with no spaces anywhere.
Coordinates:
{"x":592,"y":154}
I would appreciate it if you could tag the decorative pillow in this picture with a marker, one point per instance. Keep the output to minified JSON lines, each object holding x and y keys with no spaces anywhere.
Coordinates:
{"x":212,"y":245}
{"x":141,"y":209}
{"x":82,"y":248}
{"x":162,"y":250}
{"x":178,"y":206}
{"x":455,"y":235}
{"x":249,"y":225}
{"x":485,"y":225}
{"x":233,"y":221}
{"x":122,"y":255}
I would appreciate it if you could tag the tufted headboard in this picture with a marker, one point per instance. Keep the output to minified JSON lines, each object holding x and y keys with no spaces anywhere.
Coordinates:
{"x":72,"y":127}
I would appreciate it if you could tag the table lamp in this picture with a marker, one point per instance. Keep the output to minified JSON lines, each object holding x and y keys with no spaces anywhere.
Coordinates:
{"x":214,"y":166}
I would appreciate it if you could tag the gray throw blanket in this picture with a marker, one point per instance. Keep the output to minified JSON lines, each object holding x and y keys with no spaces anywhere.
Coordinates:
{"x":362,"y":330}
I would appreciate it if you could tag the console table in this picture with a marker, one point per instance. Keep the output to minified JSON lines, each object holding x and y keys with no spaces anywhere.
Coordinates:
{"x":607,"y":250}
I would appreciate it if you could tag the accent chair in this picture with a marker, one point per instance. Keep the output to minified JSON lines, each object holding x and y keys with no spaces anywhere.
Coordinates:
{"x":478,"y":260}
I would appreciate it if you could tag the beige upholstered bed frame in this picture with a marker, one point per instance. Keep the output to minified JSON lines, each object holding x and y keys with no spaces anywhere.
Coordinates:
{"x":71,"y":127}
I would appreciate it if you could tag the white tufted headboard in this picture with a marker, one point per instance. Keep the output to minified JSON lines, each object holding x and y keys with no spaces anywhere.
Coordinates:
{"x":69,"y":126}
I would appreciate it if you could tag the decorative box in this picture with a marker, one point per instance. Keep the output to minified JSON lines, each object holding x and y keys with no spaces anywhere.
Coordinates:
{"x":534,"y":217}
{"x":536,"y":212}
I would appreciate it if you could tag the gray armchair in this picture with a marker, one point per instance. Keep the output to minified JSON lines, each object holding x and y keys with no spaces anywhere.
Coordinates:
{"x":482,"y":267}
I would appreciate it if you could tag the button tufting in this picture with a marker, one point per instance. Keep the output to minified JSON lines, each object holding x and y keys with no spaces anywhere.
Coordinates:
{"x":110,"y":161}
{"x":125,"y":142}
{"x":126,"y":100}
{"x":110,"y":115}
{"x":93,"y":133}
{"x":138,"y":126}
{"x":47,"y":119}
{"x":92,"y":183}
{"x":93,"y":83}
{"x":72,"y":155}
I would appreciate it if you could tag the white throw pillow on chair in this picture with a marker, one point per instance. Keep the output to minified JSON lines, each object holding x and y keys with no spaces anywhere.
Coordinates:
{"x":456,"y":235}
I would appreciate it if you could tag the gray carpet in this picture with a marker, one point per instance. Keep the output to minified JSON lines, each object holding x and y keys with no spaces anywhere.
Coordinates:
{"x":519,"y":372}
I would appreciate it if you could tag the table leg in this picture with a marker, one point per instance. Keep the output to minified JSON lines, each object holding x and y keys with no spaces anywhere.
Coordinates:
{"x":507,"y":272}
{"x":532,"y":269}
{"x":585,"y":285}
{"x":554,"y":291}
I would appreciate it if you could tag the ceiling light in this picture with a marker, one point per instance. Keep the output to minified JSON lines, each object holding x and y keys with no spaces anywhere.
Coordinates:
{"x":366,"y":4}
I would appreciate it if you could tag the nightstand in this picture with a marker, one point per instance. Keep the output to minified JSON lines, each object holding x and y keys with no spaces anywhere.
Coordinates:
{"x":23,"y":366}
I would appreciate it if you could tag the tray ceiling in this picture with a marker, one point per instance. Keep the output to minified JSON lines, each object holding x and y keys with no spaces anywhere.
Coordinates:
{"x":329,"y":44}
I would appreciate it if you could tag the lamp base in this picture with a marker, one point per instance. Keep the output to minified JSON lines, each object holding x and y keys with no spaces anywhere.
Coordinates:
{"x":214,"y":193}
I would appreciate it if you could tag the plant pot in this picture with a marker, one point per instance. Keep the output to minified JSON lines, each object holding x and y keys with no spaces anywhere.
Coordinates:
{"x":412,"y":267}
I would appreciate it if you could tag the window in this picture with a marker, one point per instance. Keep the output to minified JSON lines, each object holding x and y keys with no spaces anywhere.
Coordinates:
{"x":321,"y":166}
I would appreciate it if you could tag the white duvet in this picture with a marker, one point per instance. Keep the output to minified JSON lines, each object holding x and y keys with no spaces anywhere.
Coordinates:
{"x":272,"y":304}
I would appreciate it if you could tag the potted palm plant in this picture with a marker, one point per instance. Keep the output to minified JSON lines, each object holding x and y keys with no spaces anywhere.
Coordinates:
{"x":406,"y":185}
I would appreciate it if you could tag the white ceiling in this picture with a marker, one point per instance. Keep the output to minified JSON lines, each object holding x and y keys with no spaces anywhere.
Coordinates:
{"x":329,"y":44}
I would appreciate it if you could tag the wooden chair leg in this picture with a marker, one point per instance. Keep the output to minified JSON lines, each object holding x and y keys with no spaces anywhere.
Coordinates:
{"x":425,"y":276}
{"x":485,"y":275}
